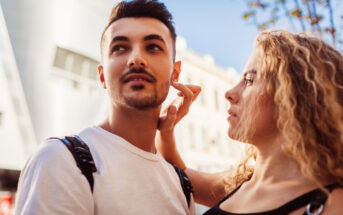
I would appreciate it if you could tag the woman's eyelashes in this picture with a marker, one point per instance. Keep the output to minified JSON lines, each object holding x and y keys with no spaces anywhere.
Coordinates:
{"x":248,"y":81}
{"x":249,"y":77}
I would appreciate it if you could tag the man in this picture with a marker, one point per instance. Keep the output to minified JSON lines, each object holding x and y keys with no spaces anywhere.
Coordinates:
{"x":138,"y":54}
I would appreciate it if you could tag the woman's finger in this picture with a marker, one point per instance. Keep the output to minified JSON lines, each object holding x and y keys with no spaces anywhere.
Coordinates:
{"x":167,"y":121}
{"x":194,"y":88}
{"x":190,"y":93}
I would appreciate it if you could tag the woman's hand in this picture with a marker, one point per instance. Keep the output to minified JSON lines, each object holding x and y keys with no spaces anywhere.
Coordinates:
{"x":179,"y":107}
{"x":208,"y":187}
{"x":170,"y":117}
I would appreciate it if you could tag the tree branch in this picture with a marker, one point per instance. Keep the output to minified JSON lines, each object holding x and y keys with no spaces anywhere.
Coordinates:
{"x":300,"y":18}
{"x":332,"y":23}
{"x":283,"y":3}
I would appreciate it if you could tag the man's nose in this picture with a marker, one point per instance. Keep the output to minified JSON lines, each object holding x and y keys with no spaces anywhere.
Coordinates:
{"x":137,"y":59}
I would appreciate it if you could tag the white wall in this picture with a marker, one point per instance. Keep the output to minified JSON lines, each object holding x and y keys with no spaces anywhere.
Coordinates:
{"x":16,"y":133}
{"x":36,"y":27}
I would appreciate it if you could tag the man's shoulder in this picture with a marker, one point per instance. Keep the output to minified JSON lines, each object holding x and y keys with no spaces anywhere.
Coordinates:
{"x":51,"y":151}
{"x":55,"y":145}
{"x":51,"y":176}
{"x":54,"y":148}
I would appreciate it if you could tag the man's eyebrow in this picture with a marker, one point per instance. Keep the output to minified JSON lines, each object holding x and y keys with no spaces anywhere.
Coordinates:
{"x":119,"y":38}
{"x":154,"y":37}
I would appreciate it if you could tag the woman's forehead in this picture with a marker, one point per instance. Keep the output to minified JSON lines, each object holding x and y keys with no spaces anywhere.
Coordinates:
{"x":255,"y":61}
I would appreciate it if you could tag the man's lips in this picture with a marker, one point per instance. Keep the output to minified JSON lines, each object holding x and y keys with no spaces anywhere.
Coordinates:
{"x":137,"y":78}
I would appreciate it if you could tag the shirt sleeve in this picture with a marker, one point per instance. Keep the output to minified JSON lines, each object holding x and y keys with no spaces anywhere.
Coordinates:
{"x":51,"y":183}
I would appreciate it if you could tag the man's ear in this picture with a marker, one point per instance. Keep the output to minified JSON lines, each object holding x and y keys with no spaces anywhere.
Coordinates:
{"x":101,"y":76}
{"x":177,"y":70}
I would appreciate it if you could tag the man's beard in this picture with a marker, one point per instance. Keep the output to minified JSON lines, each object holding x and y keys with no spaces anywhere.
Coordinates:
{"x":154,"y":99}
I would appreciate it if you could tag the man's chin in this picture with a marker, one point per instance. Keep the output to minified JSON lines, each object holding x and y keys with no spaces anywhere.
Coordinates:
{"x":142,"y":106}
{"x":142,"y":103}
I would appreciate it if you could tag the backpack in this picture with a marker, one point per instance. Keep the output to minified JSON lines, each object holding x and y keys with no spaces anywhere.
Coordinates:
{"x":84,"y":160}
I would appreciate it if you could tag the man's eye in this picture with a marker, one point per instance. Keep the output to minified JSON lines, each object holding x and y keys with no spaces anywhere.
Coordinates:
{"x":118,"y":48}
{"x":154,"y":47}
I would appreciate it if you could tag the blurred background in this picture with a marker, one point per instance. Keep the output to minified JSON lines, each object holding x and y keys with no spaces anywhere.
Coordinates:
{"x":49,"y":51}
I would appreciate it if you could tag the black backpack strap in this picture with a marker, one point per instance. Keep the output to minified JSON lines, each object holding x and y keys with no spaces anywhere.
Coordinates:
{"x":82,"y":155}
{"x":185,"y":183}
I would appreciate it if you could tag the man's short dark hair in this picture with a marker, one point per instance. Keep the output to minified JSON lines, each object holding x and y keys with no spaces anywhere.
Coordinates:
{"x":141,"y":8}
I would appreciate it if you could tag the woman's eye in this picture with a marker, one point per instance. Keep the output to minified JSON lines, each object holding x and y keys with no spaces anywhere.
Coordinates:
{"x":248,"y":81}
{"x":154,"y":47}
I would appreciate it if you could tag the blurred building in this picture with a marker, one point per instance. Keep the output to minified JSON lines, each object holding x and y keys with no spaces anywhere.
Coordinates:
{"x":202,"y":134}
{"x":49,"y":86}
{"x":16,"y":132}
{"x":56,"y":47}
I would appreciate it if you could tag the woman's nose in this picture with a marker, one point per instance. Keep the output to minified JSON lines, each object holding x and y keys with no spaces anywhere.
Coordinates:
{"x":231,"y":95}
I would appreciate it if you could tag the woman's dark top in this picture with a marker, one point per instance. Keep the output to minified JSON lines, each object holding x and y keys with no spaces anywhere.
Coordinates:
{"x":314,"y":200}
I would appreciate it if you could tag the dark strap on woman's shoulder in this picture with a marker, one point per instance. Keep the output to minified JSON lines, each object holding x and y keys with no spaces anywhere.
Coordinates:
{"x":230,"y":194}
{"x":314,"y":200}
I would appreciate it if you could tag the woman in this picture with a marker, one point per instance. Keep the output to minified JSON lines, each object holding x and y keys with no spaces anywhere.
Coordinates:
{"x":289,"y":107}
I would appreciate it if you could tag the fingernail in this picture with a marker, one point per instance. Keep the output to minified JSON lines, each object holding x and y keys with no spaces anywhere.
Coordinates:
{"x":172,"y":109}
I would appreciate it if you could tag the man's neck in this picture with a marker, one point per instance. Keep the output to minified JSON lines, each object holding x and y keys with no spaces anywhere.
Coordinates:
{"x":138,"y":127}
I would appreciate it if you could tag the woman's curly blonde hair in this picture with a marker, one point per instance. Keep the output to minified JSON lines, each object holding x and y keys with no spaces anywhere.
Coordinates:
{"x":305,"y":77}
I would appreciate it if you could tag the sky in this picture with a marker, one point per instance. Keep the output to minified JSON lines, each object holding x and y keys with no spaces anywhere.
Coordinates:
{"x":216,"y":27}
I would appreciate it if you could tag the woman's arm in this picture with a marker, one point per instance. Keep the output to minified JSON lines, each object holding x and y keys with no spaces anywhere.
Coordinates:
{"x":208,"y":187}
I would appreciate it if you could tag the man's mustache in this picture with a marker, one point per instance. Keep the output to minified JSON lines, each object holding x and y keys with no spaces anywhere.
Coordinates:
{"x":137,"y":71}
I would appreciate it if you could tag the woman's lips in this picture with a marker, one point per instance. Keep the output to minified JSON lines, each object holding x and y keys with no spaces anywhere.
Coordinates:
{"x":232,"y":115}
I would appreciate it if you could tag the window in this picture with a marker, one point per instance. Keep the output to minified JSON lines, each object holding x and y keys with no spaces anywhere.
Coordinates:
{"x":93,"y":70}
{"x":61,"y":58}
{"x":191,"y":136}
{"x":76,"y":63}
{"x":202,"y":94}
{"x":68,"y":64}
{"x":216,"y":100}
{"x":204,"y":137}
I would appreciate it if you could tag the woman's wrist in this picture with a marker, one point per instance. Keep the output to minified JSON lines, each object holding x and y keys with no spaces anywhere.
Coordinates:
{"x":167,"y":147}
{"x":181,"y":164}
{"x":166,"y":134}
